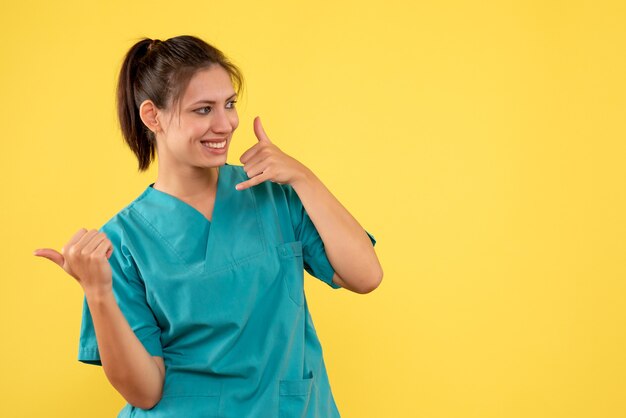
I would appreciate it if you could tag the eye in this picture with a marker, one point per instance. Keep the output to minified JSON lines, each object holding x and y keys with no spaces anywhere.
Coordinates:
{"x":202,"y":108}
{"x":231,"y":104}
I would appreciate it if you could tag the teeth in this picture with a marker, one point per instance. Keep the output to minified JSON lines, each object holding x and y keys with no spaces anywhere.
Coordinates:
{"x":214,"y":144}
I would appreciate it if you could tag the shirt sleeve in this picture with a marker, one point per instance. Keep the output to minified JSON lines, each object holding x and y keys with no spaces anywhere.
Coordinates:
{"x":316,"y":262}
{"x":130,"y":294}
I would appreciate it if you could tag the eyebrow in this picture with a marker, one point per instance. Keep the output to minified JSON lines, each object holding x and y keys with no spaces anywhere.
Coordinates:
{"x":211,"y":101}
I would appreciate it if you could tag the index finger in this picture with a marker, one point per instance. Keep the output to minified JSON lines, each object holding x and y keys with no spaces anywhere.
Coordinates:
{"x":249,"y":153}
{"x":75,"y":238}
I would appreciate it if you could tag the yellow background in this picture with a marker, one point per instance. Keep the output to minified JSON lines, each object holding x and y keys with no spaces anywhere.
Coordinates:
{"x":481,"y":142}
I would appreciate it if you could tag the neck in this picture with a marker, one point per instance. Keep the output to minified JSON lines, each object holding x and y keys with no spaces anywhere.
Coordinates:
{"x":188,"y":184}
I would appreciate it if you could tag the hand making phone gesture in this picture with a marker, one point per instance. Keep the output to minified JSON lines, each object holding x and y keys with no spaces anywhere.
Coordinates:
{"x":265,"y":161}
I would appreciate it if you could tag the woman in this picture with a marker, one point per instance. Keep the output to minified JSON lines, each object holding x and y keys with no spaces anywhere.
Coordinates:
{"x":194,"y":301}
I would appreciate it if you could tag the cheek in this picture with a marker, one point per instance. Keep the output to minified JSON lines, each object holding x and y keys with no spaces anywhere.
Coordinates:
{"x":234,"y":121}
{"x":196,"y":130}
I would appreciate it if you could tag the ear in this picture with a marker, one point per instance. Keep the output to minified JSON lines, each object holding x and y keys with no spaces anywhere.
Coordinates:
{"x":149,"y":115}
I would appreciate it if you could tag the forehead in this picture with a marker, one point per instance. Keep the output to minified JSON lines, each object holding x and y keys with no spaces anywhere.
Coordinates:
{"x":211,"y":83}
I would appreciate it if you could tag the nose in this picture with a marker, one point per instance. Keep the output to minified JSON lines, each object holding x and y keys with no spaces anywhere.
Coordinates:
{"x":221,"y":122}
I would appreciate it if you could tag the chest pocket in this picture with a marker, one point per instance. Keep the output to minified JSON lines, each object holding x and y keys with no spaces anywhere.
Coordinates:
{"x":292,"y":269}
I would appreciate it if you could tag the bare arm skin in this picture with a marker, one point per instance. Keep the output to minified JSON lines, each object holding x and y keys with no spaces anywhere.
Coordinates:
{"x":132,"y":371}
{"x":346,"y":243}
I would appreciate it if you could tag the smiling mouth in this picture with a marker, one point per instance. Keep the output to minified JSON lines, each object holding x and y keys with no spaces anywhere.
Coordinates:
{"x":213,"y":145}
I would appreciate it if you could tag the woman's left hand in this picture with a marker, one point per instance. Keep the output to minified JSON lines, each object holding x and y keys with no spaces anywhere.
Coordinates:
{"x":265,"y":161}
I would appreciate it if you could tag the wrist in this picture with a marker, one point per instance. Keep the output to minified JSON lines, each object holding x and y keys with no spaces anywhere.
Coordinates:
{"x":99,"y":295}
{"x":306,"y":177}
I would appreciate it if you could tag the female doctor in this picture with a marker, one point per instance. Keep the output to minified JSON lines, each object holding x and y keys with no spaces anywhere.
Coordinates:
{"x":194,"y":301}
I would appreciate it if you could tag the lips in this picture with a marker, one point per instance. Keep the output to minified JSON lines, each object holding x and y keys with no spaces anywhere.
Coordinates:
{"x":215,"y":145}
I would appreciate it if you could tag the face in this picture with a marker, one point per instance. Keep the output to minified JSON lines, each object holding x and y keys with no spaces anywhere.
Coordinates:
{"x":199,"y":136}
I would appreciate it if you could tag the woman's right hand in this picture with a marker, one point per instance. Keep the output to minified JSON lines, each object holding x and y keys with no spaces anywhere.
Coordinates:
{"x":86,"y":258}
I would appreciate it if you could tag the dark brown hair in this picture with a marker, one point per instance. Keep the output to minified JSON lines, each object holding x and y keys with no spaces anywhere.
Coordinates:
{"x":160,"y":71}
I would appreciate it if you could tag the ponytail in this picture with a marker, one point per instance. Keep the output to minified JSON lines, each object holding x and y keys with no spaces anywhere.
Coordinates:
{"x":138,"y":137}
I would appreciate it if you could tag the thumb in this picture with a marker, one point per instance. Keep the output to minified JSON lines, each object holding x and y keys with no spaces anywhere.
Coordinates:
{"x":51,"y":255}
{"x":259,"y":132}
